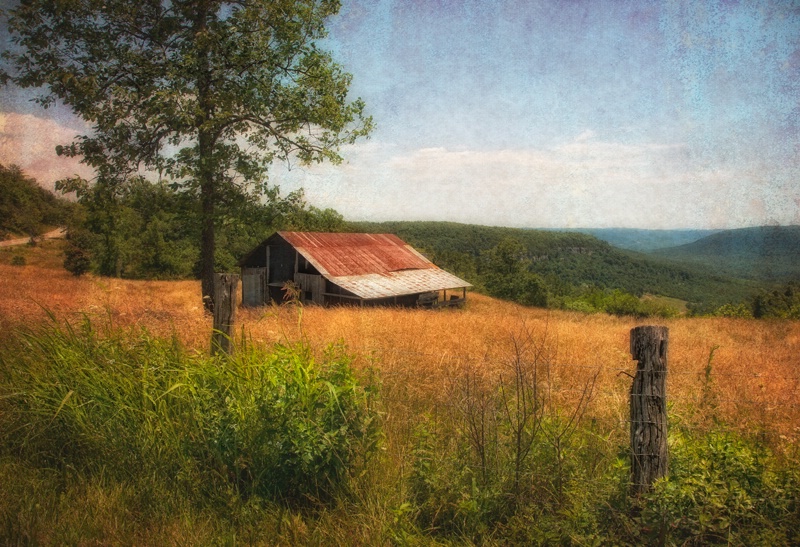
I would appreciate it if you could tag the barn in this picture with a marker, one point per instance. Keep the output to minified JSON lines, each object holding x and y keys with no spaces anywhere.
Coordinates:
{"x":346,"y":269}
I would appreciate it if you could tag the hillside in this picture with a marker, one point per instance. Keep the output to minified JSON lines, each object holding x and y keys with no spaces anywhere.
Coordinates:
{"x":27,"y":209}
{"x":766,"y":253}
{"x":568,"y":262}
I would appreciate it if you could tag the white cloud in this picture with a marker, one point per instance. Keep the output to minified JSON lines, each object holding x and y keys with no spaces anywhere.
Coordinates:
{"x":30,"y":141}
{"x":584,"y":182}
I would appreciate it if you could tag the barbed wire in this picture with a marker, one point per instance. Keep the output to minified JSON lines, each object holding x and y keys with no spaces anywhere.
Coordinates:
{"x":713,"y":373}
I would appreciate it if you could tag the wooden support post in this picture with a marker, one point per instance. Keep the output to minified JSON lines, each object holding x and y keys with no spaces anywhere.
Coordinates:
{"x":225,"y":287}
{"x":648,"y":407}
{"x":267,"y":295}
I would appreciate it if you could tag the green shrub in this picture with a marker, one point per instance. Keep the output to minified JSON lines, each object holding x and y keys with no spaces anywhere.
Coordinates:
{"x":77,"y":253}
{"x":723,"y":489}
{"x":18,"y":260}
{"x":731,"y":310}
{"x":615,"y":302}
{"x":447,"y":493}
{"x":292,"y":428}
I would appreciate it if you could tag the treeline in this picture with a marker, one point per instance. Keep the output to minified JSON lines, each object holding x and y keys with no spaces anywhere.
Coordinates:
{"x":147,"y":230}
{"x":27,"y":209}
{"x":150,"y":230}
{"x":565,"y":270}
{"x":779,"y":303}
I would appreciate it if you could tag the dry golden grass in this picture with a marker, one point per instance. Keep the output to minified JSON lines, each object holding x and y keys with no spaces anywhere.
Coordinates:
{"x":28,"y":293}
{"x":419,"y":353}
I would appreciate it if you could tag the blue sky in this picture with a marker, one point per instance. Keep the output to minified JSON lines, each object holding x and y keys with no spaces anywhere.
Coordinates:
{"x":550,"y":114}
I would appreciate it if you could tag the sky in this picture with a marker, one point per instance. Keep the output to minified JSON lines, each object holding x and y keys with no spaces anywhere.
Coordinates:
{"x":544,"y":114}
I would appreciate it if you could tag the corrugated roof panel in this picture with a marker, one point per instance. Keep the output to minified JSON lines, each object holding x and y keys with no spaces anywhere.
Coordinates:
{"x":399,"y":283}
{"x":356,"y":254}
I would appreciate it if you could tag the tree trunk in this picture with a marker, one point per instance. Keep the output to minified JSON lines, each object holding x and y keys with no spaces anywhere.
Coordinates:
{"x":205,"y":150}
{"x":207,"y":237}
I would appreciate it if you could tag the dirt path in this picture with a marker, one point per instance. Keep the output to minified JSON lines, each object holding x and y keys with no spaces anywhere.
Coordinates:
{"x":52,"y":234}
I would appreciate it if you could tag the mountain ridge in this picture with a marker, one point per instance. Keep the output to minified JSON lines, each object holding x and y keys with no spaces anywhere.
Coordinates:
{"x":762,"y":253}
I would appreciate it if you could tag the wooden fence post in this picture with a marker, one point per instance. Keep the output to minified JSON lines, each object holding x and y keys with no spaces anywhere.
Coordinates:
{"x":225,"y":288}
{"x":648,"y":407}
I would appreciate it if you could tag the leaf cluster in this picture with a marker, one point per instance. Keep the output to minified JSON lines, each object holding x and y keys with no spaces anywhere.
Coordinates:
{"x":185,"y":88}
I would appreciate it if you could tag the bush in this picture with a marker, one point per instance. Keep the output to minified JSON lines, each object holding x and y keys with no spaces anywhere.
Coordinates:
{"x":731,"y":310}
{"x":18,"y":260}
{"x":616,"y":302}
{"x":77,"y":254}
{"x":291,"y":428}
{"x":723,"y":489}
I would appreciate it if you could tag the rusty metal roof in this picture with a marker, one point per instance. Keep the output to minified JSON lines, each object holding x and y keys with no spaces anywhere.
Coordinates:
{"x":371,"y":265}
{"x":356,"y":254}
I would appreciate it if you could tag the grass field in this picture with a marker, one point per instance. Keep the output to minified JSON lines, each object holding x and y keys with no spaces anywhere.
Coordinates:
{"x":742,"y":373}
{"x":755,"y":365}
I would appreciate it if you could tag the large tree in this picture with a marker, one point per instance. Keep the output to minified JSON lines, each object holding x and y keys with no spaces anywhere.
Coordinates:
{"x":205,"y":93}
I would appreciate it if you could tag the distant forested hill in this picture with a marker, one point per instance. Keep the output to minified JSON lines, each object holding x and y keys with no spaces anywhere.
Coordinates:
{"x":766,"y":253}
{"x":645,"y":240}
{"x":567,"y":263}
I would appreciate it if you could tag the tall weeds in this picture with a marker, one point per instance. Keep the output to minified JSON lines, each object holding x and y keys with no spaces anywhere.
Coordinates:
{"x":170,"y":428}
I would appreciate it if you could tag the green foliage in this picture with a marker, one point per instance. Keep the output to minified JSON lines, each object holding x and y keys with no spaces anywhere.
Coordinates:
{"x":445,"y":494}
{"x":145,"y":230}
{"x":25,"y":207}
{"x":616,"y":302}
{"x":78,"y":252}
{"x":18,"y":260}
{"x":723,"y":489}
{"x":117,"y":435}
{"x":503,"y":448}
{"x":734,"y":310}
{"x":139,"y":230}
{"x":267,"y":424}
{"x":783,"y":303}
{"x":505,"y":270}
{"x":293,"y":429}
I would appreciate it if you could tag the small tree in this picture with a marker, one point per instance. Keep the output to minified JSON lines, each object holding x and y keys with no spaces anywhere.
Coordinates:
{"x":77,"y":254}
{"x":206,"y":92}
{"x":506,"y":274}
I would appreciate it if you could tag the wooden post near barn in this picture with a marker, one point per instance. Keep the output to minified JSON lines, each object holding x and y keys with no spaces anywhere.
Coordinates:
{"x":648,"y":407}
{"x":225,"y":289}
